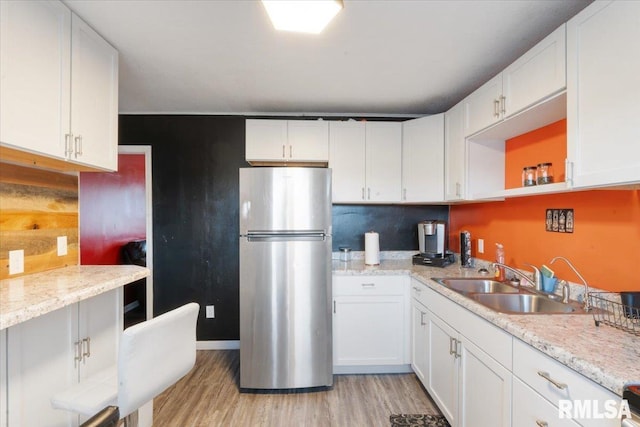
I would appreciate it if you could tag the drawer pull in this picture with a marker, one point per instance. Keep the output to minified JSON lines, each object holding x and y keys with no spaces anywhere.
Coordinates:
{"x":453,"y":345}
{"x":417,"y":289}
{"x":541,"y":423}
{"x":368,"y":285}
{"x":547,"y":377}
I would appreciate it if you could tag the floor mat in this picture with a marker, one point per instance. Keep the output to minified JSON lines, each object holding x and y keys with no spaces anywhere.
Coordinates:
{"x":414,"y":420}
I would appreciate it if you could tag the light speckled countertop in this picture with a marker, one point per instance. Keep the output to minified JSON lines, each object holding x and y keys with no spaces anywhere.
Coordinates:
{"x":23,"y":298}
{"x":605,"y":355}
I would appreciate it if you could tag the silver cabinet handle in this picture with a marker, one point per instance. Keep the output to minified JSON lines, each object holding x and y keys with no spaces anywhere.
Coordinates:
{"x":496,"y":108}
{"x":368,"y":285}
{"x":86,"y":348}
{"x":541,"y":423}
{"x":78,"y":145}
{"x":363,"y":198}
{"x":334,"y":306}
{"x":68,"y":148}
{"x":283,"y":152}
{"x":417,"y":289}
{"x":422,"y":322}
{"x":78,"y":351}
{"x":404,"y":194}
{"x":368,"y":193}
{"x":290,"y":151}
{"x":452,"y":345}
{"x":458,"y":352}
{"x":547,"y":377}
{"x":503,"y":103}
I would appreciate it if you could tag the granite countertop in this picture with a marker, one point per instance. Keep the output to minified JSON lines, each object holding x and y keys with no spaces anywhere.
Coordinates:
{"x":605,"y":355}
{"x":26,"y":297}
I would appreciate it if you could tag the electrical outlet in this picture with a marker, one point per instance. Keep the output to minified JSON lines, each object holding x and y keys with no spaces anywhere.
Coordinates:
{"x":16,"y":261}
{"x":62,"y":245}
{"x":480,"y":246}
{"x":210,"y":312}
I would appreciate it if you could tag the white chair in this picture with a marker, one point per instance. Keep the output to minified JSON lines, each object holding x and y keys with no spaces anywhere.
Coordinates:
{"x":152,"y":356}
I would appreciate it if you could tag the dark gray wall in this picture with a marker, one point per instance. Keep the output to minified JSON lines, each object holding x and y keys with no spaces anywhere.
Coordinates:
{"x":195,"y":161}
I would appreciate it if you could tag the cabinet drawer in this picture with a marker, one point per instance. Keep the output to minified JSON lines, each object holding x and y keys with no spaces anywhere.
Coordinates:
{"x":532,"y":410}
{"x":529,"y":364}
{"x":370,"y":285}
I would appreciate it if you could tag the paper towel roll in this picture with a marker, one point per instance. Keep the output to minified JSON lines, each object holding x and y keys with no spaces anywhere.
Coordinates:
{"x":371,"y":248}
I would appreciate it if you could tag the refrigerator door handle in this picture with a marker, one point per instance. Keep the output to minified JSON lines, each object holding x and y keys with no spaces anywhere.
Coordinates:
{"x":283,"y":237}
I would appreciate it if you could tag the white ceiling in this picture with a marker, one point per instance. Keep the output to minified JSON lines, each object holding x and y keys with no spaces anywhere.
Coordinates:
{"x":378,"y":57}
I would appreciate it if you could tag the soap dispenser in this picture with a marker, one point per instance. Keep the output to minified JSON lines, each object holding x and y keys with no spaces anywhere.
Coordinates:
{"x":500,"y":259}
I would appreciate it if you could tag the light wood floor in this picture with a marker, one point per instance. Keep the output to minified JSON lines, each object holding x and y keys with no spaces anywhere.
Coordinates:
{"x":209,"y":396}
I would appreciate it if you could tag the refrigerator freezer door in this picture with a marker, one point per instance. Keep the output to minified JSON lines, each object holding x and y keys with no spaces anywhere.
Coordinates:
{"x":285,"y":313}
{"x":281,"y":199}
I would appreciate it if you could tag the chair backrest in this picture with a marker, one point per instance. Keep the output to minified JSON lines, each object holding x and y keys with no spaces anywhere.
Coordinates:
{"x":154,"y":355}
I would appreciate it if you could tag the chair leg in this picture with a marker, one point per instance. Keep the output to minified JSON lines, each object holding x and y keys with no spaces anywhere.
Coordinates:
{"x":131,"y":420}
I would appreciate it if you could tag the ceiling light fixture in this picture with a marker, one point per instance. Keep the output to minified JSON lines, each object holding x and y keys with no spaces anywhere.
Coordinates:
{"x":304,"y":16}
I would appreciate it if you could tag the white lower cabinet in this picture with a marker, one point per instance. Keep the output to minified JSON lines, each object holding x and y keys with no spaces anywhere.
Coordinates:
{"x":370,"y":324}
{"x":531,"y":409}
{"x":49,"y":353}
{"x":468,"y":361}
{"x":419,"y":335}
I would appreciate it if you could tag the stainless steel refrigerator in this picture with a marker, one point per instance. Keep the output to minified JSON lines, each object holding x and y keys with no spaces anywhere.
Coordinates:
{"x":285,"y":278}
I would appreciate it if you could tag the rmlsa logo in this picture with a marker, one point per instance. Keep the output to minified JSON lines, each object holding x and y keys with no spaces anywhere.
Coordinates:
{"x":593,"y":409}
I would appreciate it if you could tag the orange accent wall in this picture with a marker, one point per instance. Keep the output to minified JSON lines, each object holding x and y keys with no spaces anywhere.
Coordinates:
{"x":605,"y":244}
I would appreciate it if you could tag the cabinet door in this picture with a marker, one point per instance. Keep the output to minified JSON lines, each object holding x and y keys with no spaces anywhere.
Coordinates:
{"x":442,"y":375}
{"x":603,"y":69}
{"x":3,"y":378}
{"x":484,"y":389}
{"x":537,"y":74}
{"x":483,"y":107}
{"x":265,"y":140}
{"x":347,"y":161}
{"x":423,"y":159}
{"x":454,"y":154}
{"x":101,"y":322}
{"x":308,"y":141}
{"x":530,"y":408}
{"x":40,"y":363}
{"x":384,"y":161}
{"x":367,"y":330}
{"x":35,"y":75}
{"x":419,"y":341}
{"x":94,"y":98}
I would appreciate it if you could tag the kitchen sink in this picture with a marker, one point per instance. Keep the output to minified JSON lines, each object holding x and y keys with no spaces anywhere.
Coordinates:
{"x":477,"y":285}
{"x":522,"y":303}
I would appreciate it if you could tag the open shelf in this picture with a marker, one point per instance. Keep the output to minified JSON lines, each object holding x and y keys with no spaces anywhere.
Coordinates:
{"x":557,"y":187}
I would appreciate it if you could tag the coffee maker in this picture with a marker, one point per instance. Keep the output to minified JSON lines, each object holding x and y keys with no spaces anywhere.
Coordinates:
{"x":432,"y":244}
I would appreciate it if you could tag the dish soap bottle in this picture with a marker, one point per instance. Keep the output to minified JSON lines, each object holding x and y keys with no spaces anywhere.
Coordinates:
{"x":500,"y":258}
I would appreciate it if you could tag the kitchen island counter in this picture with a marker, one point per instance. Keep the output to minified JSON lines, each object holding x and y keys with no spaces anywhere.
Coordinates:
{"x":26,"y":297}
{"x":603,"y":354}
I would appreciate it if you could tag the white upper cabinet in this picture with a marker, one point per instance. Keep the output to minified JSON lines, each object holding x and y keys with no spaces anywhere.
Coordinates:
{"x":538,"y":74}
{"x":308,"y":140}
{"x":454,"y":154}
{"x":347,"y":142}
{"x":59,"y":84}
{"x":35,"y":65}
{"x":384,"y":161}
{"x":366,"y":161}
{"x":287,"y":141}
{"x":603,"y":84}
{"x":94,"y":97}
{"x":423,"y":159}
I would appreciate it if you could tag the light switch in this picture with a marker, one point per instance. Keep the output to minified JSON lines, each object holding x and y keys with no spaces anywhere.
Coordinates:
{"x":210,"y":312}
{"x":480,"y":246}
{"x":16,"y":261}
{"x":62,"y":245}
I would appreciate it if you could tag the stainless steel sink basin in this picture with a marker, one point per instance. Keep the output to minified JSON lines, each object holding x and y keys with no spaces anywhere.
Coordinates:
{"x":522,"y":303}
{"x":477,"y":285}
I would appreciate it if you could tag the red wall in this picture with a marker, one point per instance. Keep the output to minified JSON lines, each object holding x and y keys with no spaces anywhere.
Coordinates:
{"x":112,"y":210}
{"x":605,"y":244}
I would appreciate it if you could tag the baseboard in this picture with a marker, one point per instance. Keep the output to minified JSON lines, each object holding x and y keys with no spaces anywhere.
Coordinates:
{"x":218,"y":345}
{"x":367,"y":369}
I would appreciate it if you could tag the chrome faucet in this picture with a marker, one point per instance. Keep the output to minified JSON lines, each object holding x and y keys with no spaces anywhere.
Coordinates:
{"x":586,"y":304}
{"x":537,"y":282}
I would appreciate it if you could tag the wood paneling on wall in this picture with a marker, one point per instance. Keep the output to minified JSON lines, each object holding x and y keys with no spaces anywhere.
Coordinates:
{"x":36,"y":207}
